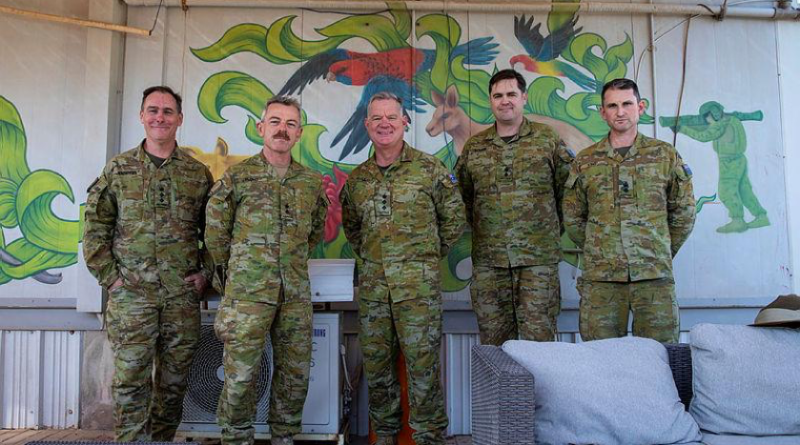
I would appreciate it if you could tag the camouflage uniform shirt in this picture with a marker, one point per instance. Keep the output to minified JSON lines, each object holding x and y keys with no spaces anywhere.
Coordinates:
{"x":512,"y":193}
{"x":144,"y":223}
{"x":405,"y":219}
{"x":629,"y":214}
{"x":261,"y":228}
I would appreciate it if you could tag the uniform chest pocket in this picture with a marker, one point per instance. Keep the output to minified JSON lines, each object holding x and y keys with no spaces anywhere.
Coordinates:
{"x":298,"y":209}
{"x":483,"y":173}
{"x":128,"y":188}
{"x":255,"y":194}
{"x":188,"y":198}
{"x":410,"y":205}
{"x":534,"y":172}
{"x":651,"y":187}
{"x":601,"y":188}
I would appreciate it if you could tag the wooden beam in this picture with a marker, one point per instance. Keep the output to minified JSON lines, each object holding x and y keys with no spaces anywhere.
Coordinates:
{"x":73,"y":21}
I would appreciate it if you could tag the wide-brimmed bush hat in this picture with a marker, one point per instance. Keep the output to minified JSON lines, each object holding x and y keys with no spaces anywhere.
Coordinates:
{"x":783,"y":312}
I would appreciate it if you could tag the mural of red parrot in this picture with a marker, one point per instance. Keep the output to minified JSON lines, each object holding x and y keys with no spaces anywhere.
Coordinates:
{"x":543,"y":51}
{"x":391,"y":70}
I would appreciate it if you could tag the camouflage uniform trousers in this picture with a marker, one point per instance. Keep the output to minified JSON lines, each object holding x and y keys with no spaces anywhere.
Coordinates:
{"x":413,"y":327}
{"x":243,"y":327}
{"x":518,"y":302}
{"x":146,"y":326}
{"x":605,"y":306}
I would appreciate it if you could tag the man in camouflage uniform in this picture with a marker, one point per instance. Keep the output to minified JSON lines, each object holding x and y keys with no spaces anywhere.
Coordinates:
{"x":629,"y":205}
{"x":144,"y":222}
{"x":512,"y":178}
{"x":264,"y":218}
{"x":401,"y":212}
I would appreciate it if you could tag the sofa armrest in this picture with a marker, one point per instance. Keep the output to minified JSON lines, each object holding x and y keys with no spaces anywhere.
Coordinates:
{"x":502,"y":399}
{"x":680,"y":363}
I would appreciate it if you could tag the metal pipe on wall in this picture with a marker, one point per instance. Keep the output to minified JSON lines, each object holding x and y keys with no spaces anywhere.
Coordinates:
{"x":497,"y":6}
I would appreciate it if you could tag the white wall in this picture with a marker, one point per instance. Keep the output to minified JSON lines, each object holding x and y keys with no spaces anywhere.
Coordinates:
{"x":63,"y":81}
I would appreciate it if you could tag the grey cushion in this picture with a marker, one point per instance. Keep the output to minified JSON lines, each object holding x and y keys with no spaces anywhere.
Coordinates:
{"x":616,"y":391}
{"x":731,"y":439}
{"x":746,"y":380}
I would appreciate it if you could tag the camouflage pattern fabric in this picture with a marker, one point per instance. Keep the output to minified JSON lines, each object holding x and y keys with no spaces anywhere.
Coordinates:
{"x":144,"y":225}
{"x":260,"y":231}
{"x":605,"y":306}
{"x":243,"y":327}
{"x":137,"y":339}
{"x":513,"y":193}
{"x":400,"y":223}
{"x":415,"y":328}
{"x":631,"y":214}
{"x":517,"y":303}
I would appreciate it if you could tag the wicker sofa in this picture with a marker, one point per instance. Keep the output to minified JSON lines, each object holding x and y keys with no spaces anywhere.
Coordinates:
{"x":503,"y":397}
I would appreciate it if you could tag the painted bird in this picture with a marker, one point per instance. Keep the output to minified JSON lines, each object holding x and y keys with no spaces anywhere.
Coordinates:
{"x":543,"y":51}
{"x":392,"y":70}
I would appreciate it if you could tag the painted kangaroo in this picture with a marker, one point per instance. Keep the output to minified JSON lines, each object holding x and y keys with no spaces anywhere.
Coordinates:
{"x":451,"y":119}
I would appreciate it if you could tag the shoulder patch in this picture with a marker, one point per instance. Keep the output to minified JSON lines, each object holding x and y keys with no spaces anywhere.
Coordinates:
{"x":453,"y":178}
{"x":687,"y":170}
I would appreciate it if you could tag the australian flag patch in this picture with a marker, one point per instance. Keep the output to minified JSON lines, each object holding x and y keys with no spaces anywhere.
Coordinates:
{"x":453,"y":179}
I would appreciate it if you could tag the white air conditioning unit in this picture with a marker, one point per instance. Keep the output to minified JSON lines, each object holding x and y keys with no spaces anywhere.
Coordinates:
{"x":331,"y":280}
{"x":322,"y":410}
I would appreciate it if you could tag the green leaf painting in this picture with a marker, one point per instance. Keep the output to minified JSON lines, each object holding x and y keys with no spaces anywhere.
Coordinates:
{"x":48,"y":241}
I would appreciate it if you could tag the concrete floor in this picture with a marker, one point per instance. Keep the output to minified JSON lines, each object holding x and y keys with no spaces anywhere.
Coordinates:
{"x":22,"y":437}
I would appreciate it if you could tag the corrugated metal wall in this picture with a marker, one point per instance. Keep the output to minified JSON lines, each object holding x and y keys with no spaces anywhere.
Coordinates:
{"x":40,"y":379}
{"x":457,"y":381}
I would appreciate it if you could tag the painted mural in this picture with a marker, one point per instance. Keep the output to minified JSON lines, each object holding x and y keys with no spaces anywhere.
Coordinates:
{"x":228,"y":64}
{"x":728,"y":138}
{"x":446,"y":85}
{"x":47,"y":241}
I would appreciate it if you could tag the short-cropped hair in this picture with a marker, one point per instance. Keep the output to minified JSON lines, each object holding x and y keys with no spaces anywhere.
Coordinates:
{"x":164,"y":90}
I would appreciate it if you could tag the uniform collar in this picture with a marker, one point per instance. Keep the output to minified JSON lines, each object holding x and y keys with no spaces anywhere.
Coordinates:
{"x":610,"y":152}
{"x":408,"y":154}
{"x":294,"y":167}
{"x":177,"y":153}
{"x":524,"y":130}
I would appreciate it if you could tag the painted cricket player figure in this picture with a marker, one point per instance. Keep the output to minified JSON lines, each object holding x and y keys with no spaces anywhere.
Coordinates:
{"x":401,"y":212}
{"x":629,"y":205}
{"x":264,"y":217}
{"x":512,"y":177}
{"x":144,"y":223}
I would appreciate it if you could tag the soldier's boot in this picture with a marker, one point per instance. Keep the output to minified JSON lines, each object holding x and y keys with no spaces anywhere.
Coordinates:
{"x":288,"y":440}
{"x":759,"y":221}
{"x":386,"y":440}
{"x":735,"y":226}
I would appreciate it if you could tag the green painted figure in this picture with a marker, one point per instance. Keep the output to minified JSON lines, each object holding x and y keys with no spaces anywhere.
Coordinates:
{"x":401,"y":212}
{"x":729,"y":140}
{"x":629,"y":205}
{"x":264,"y":217}
{"x":512,"y":177}
{"x":144,"y":223}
